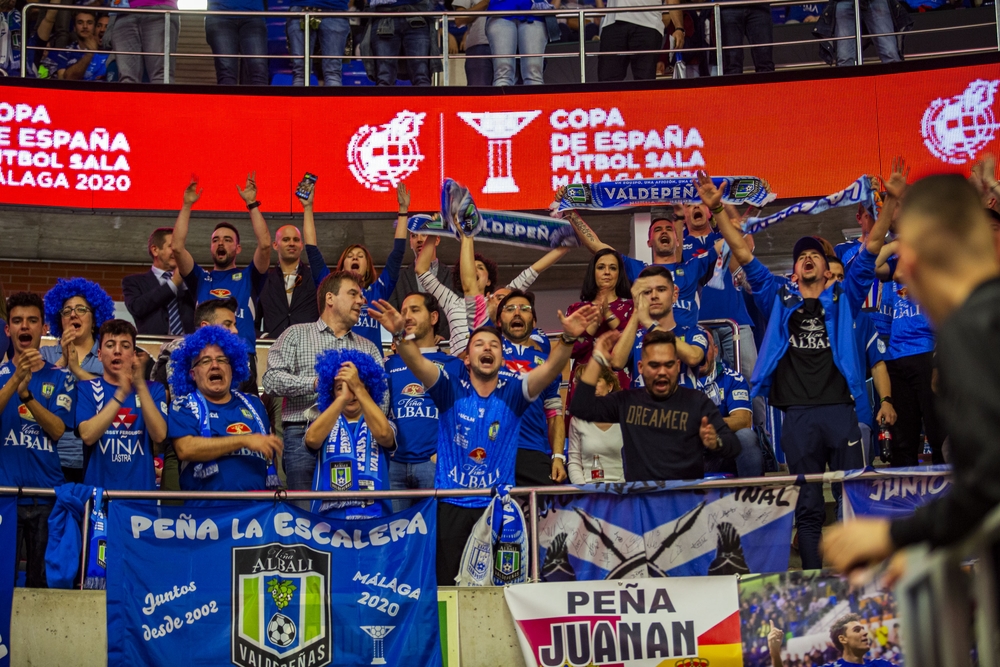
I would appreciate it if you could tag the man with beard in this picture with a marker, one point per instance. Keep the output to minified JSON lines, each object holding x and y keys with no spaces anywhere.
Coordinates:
{"x":809,"y":365}
{"x":480,"y":406}
{"x":665,"y":428}
{"x":413,"y":461}
{"x":158,"y":300}
{"x":542,"y":439}
{"x":225,"y":280}
{"x":688,"y":276}
{"x":36,"y":408}
{"x":654,"y":295}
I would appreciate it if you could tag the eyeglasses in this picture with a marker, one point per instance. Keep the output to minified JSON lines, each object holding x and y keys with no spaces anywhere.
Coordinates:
{"x":208,"y":361}
{"x":79,"y":310}
{"x":513,"y":308}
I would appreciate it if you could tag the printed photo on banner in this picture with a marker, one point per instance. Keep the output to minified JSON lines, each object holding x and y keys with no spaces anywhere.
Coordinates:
{"x":637,"y":623}
{"x":805,"y":612}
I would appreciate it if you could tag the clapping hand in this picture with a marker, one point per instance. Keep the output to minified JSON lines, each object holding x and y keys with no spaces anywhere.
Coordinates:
{"x":709,"y":437}
{"x":348,"y":374}
{"x":576,"y":324}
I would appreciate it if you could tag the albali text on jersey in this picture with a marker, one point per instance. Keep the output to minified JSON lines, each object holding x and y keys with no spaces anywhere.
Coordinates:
{"x":414,"y":412}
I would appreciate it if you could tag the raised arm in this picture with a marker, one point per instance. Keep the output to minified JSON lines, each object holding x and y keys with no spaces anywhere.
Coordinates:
{"x":425,"y":370}
{"x":583,"y":232}
{"x":185,"y":262}
{"x":574,"y":326}
{"x":262,"y":255}
{"x":586,"y":405}
{"x":308,"y":219}
{"x":467,"y":266}
{"x":894,"y":188}
{"x":712,"y":198}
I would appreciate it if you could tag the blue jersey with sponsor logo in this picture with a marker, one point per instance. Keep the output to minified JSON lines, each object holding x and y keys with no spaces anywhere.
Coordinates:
{"x":534,"y":424}
{"x":691,"y":335}
{"x":28,"y":457}
{"x":726,"y":388}
{"x":414,"y":412}
{"x":688,"y":276}
{"x":911,"y":331}
{"x":717,"y":304}
{"x":123,"y":457}
{"x":477,"y":437}
{"x":235,"y":283}
{"x":242,"y":470}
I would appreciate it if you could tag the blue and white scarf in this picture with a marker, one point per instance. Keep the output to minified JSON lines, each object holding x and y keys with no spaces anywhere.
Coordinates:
{"x":735,"y":190}
{"x":496,"y":553}
{"x":348,"y":463}
{"x":518,"y":229}
{"x":458,"y":209}
{"x":196,"y":403}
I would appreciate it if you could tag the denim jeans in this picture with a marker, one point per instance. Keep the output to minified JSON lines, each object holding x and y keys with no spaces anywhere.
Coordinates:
{"x":409,"y":37}
{"x":144,"y":32}
{"x":750,"y":461}
{"x":878,"y":19}
{"x":332,"y":42}
{"x":755,"y":23}
{"x":299,"y":461}
{"x":510,"y":37}
{"x":232,"y":35}
{"x":33,"y":529}
{"x":748,"y":350}
{"x":404,"y":476}
{"x":479,"y":71}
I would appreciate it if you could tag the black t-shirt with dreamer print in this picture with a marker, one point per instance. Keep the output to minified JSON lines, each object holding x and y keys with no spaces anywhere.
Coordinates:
{"x":807,"y":375}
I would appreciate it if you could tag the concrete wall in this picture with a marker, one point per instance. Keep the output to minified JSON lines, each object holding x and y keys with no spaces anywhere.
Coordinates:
{"x":69,"y":628}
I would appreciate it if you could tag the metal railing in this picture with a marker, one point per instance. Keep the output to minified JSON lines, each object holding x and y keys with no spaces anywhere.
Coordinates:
{"x":443,"y":20}
{"x":532,"y":492}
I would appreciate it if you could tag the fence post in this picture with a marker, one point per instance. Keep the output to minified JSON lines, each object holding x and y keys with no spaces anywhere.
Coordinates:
{"x":444,"y":50}
{"x":718,"y":40}
{"x":166,"y":47}
{"x":857,"y":33}
{"x":996,"y":19}
{"x":24,"y":47}
{"x":307,"y":50}
{"x":533,"y":508}
{"x":85,"y":533}
{"x":583,"y":51}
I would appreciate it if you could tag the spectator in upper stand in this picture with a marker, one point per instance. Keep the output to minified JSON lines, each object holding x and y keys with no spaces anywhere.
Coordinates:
{"x":332,"y":32}
{"x":730,"y":392}
{"x":634,"y":31}
{"x":81,"y":62}
{"x":287,"y":294}
{"x":143,"y":33}
{"x":238,"y":35}
{"x":510,"y":35}
{"x":569,"y":28}
{"x":754,"y":21}
{"x":809,"y":365}
{"x":876,"y":15}
{"x":158,"y":300}
{"x":38,"y":37}
{"x":393,"y":36}
{"x":408,"y":284}
{"x":357,"y":259}
{"x":593,"y":444}
{"x":36,"y":409}
{"x":478,"y":71}
{"x":75,"y":309}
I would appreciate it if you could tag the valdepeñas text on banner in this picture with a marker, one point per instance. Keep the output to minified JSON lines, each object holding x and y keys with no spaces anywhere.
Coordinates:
{"x":636,"y":623}
{"x":896,"y":493}
{"x":519,"y":229}
{"x":634,"y":531}
{"x":65,"y":147}
{"x":8,"y":552}
{"x":267,"y":584}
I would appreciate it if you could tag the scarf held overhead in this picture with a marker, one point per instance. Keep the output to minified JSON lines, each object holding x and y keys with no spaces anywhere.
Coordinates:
{"x":735,"y":190}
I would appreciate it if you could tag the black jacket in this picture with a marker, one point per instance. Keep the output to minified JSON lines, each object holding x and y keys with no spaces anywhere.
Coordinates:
{"x":969,"y":403}
{"x":272,"y":302}
{"x":146,"y":300}
{"x":407,"y":284}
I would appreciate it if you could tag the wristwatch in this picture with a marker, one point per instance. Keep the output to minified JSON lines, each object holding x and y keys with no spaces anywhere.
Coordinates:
{"x":560,"y":456}
{"x":568,"y":340}
{"x":886,"y":399}
{"x":252,"y":205}
{"x":399,"y":336}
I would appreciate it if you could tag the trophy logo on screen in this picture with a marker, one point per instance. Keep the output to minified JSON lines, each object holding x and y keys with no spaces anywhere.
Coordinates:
{"x":380,"y":157}
{"x":378,"y":633}
{"x":499,"y":129}
{"x":956,"y":128}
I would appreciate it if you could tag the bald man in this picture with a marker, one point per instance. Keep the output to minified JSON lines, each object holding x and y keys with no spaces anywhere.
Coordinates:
{"x":288,"y":291}
{"x":948,"y":262}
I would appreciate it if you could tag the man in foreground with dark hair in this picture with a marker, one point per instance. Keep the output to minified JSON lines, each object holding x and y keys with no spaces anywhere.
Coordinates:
{"x":847,"y":634}
{"x":665,"y":428}
{"x":948,"y":263}
{"x":158,"y":300}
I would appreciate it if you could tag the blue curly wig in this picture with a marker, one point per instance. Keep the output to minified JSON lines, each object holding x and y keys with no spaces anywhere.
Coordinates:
{"x":371,"y":373}
{"x":183,"y":357}
{"x":66,"y":289}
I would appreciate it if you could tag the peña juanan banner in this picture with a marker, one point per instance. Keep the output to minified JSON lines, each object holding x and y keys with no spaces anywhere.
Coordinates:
{"x":269,"y":585}
{"x":682,"y":621}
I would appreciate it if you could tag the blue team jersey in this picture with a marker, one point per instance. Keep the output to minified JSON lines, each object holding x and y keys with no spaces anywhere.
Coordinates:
{"x":876,"y":662}
{"x":244,"y":469}
{"x":477,"y":437}
{"x":691,"y":335}
{"x":235,"y":283}
{"x":911,"y":331}
{"x":28,"y":457}
{"x":875,"y":301}
{"x":717,"y":304}
{"x":726,"y":388}
{"x":70,"y":445}
{"x":123,"y":457}
{"x":871,"y":347}
{"x":413,"y":410}
{"x":688,"y":278}
{"x":534,"y":424}
{"x":382,"y":288}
